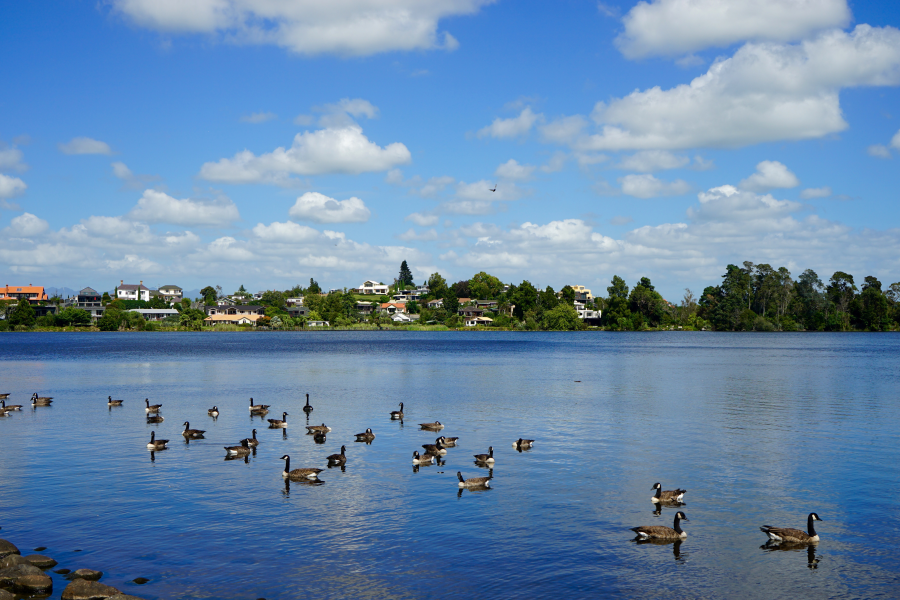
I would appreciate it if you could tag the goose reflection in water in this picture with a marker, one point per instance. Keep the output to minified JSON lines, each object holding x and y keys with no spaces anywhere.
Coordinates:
{"x":658,"y":506}
{"x":288,"y":482}
{"x":246,"y":458}
{"x":676,"y":545}
{"x":812,"y":560}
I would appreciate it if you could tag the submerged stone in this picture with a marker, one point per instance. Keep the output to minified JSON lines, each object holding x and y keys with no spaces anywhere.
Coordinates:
{"x":63,"y":571}
{"x":40,"y":548}
{"x":12,"y":560}
{"x":140,"y":580}
{"x":7,"y":548}
{"x":88,"y":574}
{"x":82,"y":589}
{"x":124,"y":597}
{"x":39,"y":560}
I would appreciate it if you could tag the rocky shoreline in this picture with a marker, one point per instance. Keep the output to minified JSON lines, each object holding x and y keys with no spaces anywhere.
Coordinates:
{"x":25,"y":576}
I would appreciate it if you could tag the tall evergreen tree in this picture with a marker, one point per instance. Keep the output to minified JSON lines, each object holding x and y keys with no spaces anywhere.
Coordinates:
{"x":406,"y":278}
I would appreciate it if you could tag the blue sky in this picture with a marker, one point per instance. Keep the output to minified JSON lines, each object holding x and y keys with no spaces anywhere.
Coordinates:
{"x":264,"y":142}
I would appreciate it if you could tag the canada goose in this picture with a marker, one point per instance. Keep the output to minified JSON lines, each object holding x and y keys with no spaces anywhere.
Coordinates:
{"x":787,"y":534}
{"x":486,"y":458}
{"x":660,"y":532}
{"x":448,"y":442}
{"x":11,"y":406}
{"x":308,"y":408}
{"x":338,"y":459}
{"x":192,"y":433}
{"x":258,"y":407}
{"x":425,"y":459}
{"x":278,"y":423}
{"x":155,"y":418}
{"x":251,"y":441}
{"x":437,"y":449}
{"x":4,"y":396}
{"x":436,"y":426}
{"x":151,"y":408}
{"x":156,"y":444}
{"x":368,"y":436}
{"x":397,"y":414}
{"x":112,"y":402}
{"x":675,"y":495}
{"x":41,"y":400}
{"x":521,"y":444}
{"x":213,"y":412}
{"x":474,"y":482}
{"x":298,"y":473}
{"x":242,"y":450}
{"x":319,"y":437}
{"x":4,"y":412}
{"x":314,"y":428}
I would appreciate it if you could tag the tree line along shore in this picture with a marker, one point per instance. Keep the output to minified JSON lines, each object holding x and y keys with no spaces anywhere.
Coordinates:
{"x":751,"y":297}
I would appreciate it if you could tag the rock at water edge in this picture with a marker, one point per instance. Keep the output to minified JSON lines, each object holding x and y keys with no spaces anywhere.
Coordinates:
{"x":82,"y":589}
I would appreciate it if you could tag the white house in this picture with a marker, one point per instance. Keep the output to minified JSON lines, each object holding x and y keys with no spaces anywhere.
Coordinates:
{"x":129,"y":291}
{"x":475,"y":321}
{"x":171,"y":293}
{"x":372,"y":287}
{"x":155,"y":314}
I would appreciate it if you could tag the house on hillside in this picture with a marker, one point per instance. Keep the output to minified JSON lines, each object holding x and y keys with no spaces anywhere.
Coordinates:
{"x":32,"y":293}
{"x":235,"y":310}
{"x":391,"y":308}
{"x":129,"y":291}
{"x":471,"y":312}
{"x":433,"y":304}
{"x":219,"y":319}
{"x":371,"y":287}
{"x":475,"y":321}
{"x":171,"y":293}
{"x":87,"y":299}
{"x":155,"y":314}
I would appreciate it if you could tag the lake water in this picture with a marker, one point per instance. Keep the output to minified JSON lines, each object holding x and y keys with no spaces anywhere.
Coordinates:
{"x":759,"y":428}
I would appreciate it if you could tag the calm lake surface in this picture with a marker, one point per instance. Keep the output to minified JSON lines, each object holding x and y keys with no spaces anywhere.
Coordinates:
{"x":759,"y":428}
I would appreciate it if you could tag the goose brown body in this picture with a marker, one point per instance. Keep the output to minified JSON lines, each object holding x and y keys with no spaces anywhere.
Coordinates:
{"x":11,"y":406}
{"x":397,"y":414}
{"x":659,"y":532}
{"x":311,"y":429}
{"x":242,"y":450}
{"x":368,"y":436}
{"x":156,"y":444}
{"x":151,"y":408}
{"x":251,"y":441}
{"x":474,"y":482}
{"x":797,"y":536}
{"x":434,"y":426}
{"x":338,"y":459}
{"x":258,"y":408}
{"x":662,"y":495}
{"x":312,"y":473}
{"x":192,"y":433}
{"x":485,"y":458}
{"x":111,"y":402}
{"x":278,"y":423}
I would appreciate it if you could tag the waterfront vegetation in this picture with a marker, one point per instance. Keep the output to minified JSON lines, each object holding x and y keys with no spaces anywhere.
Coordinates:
{"x":749,"y":298}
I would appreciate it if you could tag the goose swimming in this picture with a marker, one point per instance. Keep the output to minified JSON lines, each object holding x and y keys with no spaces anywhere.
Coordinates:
{"x":660,"y":532}
{"x":298,"y":473}
{"x":194,"y":434}
{"x":151,"y":408}
{"x":397,"y":414}
{"x":474,"y":482}
{"x":242,"y":450}
{"x":278,"y":423}
{"x":788,"y":534}
{"x":675,"y":495}
{"x":156,"y":444}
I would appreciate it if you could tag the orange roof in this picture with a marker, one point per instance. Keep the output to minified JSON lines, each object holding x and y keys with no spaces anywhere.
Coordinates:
{"x":396,"y":304}
{"x":12,"y":291}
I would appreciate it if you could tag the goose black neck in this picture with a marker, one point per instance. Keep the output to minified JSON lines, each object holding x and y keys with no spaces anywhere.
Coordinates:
{"x":458,"y":474}
{"x":810,"y":526}
{"x":677,"y":525}
{"x":658,"y":495}
{"x":287,"y":464}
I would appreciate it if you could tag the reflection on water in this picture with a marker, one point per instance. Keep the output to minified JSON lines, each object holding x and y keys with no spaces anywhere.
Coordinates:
{"x":676,"y":546}
{"x":756,"y":426}
{"x":812,"y":561}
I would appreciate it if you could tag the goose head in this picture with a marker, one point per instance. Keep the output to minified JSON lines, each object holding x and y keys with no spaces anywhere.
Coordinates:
{"x":656,"y":486}
{"x":681,"y":516}
{"x":343,"y":449}
{"x":814,"y":517}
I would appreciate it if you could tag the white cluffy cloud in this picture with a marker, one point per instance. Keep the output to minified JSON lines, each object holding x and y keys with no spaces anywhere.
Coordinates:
{"x":26,"y":225}
{"x":341,"y":150}
{"x":121,"y":171}
{"x":157,"y":207}
{"x":84,"y":145}
{"x":513,"y":127}
{"x":765,"y":92}
{"x":319,"y":208}
{"x":11,"y":159}
{"x":895,"y":141}
{"x":422,"y":219}
{"x":770,"y":174}
{"x":676,"y":27}
{"x":879,"y":151}
{"x":648,"y":161}
{"x":810,"y":193}
{"x":11,"y":186}
{"x":345,"y":27}
{"x":511,"y":169}
{"x":648,"y":186}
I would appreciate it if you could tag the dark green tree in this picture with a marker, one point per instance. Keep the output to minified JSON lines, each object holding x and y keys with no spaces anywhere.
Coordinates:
{"x":524,"y":297}
{"x":22,"y":315}
{"x":111,"y":320}
{"x":313,"y":287}
{"x":562,"y":317}
{"x":209,"y":295}
{"x":841,"y":291}
{"x":872,"y":307}
{"x":437,"y":286}
{"x":548,"y":300}
{"x":617,"y":314}
{"x":405,"y":278}
{"x":567,"y":295}
{"x":461,"y":289}
{"x":485,"y":287}
{"x":73,"y":316}
{"x":451,"y":304}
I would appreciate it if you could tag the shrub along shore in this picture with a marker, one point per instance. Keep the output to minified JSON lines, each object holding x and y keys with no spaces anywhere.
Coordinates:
{"x":754,"y":297}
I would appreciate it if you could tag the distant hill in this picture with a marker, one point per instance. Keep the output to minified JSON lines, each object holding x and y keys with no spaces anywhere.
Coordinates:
{"x":62,"y":292}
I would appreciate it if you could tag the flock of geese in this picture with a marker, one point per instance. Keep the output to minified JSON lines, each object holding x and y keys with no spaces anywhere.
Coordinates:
{"x":432,"y":453}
